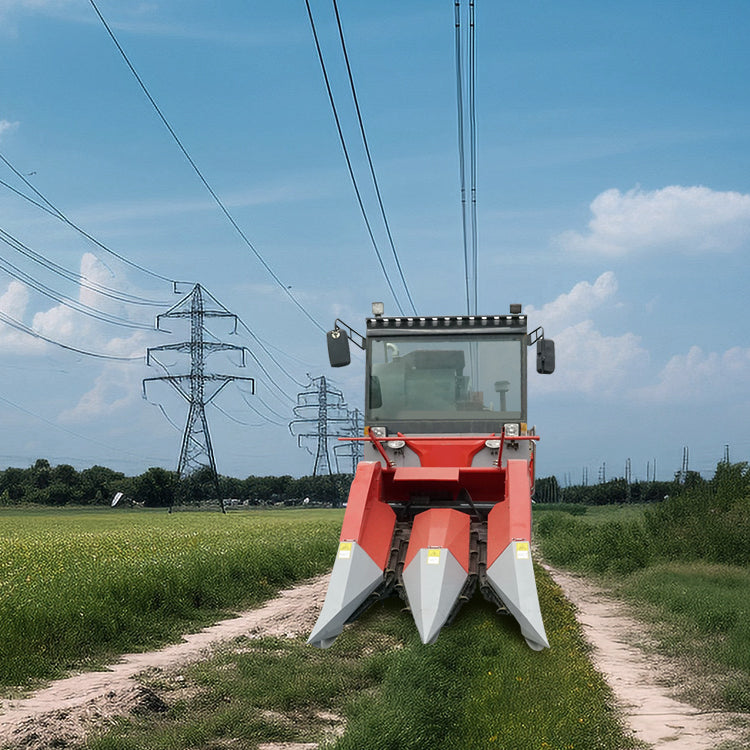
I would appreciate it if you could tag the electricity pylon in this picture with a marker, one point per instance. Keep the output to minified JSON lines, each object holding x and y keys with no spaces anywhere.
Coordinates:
{"x":199,"y":387}
{"x":330,"y":415}
{"x":351,"y":449}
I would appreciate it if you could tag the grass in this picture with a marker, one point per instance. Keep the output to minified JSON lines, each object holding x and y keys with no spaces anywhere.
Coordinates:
{"x":685,"y":565}
{"x":478,"y":687}
{"x":701,"y":612}
{"x":78,"y":587}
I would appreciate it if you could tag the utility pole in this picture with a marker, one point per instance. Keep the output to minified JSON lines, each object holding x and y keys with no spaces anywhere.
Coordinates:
{"x":198,"y":388}
{"x":323,"y":409}
{"x":351,"y":449}
{"x":684,"y":469}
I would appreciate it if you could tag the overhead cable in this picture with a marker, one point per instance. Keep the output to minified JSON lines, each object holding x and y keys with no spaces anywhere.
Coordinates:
{"x":348,"y":160}
{"x":17,"y":273}
{"x":369,"y":158}
{"x":468,"y":212}
{"x":18,"y":325}
{"x":118,"y":451}
{"x":270,"y":356}
{"x":77,"y":278}
{"x":473,"y":149}
{"x":57,"y":213}
{"x":201,"y":177}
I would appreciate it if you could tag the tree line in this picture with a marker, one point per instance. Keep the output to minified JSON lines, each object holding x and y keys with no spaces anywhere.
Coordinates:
{"x":619,"y":490}
{"x":60,"y":485}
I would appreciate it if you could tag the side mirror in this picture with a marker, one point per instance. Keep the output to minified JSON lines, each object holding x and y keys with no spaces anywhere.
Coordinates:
{"x":376,"y":396}
{"x":338,"y":348}
{"x":545,"y":356}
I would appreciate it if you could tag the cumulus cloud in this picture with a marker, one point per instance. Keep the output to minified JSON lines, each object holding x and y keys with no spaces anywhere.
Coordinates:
{"x":67,"y":326}
{"x":587,"y":361}
{"x":7,"y":127}
{"x":684,"y":219}
{"x":698,"y":378}
{"x":583,"y":298}
{"x":116,"y":392}
{"x":13,"y":304}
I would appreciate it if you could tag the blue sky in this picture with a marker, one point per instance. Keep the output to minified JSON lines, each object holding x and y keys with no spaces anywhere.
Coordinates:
{"x":613,"y":202}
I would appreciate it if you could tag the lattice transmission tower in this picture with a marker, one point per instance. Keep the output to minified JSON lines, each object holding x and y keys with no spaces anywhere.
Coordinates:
{"x":322,"y":416}
{"x":352,"y":450}
{"x":199,"y":387}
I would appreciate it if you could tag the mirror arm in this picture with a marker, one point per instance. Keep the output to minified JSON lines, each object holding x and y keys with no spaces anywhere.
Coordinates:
{"x":356,"y":338}
{"x":535,"y":335}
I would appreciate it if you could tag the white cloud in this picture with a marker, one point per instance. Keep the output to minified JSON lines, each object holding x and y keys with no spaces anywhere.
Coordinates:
{"x":67,"y":326}
{"x":7,"y":127}
{"x":685,"y":219}
{"x":698,"y":378}
{"x":568,"y":309}
{"x":116,"y":391}
{"x":587,"y":361}
{"x":13,"y":303}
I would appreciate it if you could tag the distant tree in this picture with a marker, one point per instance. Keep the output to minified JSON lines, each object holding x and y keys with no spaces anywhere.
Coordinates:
{"x":155,"y":488}
{"x":41,"y":473}
{"x":98,"y":485}
{"x":196,"y":488}
{"x":14,"y":481}
{"x":547,"y":490}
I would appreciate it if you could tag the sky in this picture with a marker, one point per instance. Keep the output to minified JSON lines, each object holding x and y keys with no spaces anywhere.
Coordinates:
{"x":613,"y":202}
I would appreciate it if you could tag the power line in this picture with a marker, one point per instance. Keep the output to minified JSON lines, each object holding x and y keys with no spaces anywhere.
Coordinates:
{"x":200,"y":175}
{"x":270,"y":356}
{"x":51,"y":209}
{"x":49,"y":422}
{"x":461,"y":152}
{"x":468,"y":213}
{"x":473,"y":148}
{"x":18,"y":325}
{"x":77,"y":278}
{"x":348,"y":160}
{"x":369,"y":158}
{"x":22,"y":276}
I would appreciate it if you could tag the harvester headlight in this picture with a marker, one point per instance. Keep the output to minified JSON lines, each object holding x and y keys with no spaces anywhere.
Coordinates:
{"x":396,"y":445}
{"x":493,"y":444}
{"x":512,"y":430}
{"x":378,"y":308}
{"x":378,"y":432}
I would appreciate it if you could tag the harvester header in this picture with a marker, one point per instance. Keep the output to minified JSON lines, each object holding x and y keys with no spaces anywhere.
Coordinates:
{"x":441,"y":503}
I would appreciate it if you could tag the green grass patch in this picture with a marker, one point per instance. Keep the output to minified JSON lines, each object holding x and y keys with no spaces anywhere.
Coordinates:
{"x":479,"y":686}
{"x":77,"y":588}
{"x":701,"y":611}
{"x":685,"y":565}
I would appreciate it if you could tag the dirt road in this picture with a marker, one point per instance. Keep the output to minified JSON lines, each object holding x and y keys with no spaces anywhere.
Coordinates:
{"x":68,"y":708}
{"x":636,"y":678}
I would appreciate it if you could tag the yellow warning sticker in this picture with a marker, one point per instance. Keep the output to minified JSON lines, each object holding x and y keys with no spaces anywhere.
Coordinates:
{"x":345,"y":549}
{"x":433,"y":557}
{"x":522,"y":550}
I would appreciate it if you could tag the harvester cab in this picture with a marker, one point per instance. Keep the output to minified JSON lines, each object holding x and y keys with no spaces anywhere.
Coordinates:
{"x":441,"y":503}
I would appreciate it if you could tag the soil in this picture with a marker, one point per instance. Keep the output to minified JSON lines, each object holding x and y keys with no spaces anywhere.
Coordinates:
{"x":637,"y":677}
{"x":63,"y":713}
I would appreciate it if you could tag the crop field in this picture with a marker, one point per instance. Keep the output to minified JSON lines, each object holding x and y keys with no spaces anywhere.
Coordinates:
{"x":78,"y":587}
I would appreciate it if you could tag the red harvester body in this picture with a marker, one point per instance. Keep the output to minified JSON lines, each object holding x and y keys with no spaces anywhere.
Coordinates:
{"x":444,"y":506}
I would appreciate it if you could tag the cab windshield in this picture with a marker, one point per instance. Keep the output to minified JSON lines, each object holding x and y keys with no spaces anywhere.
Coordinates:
{"x":436,"y":378}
